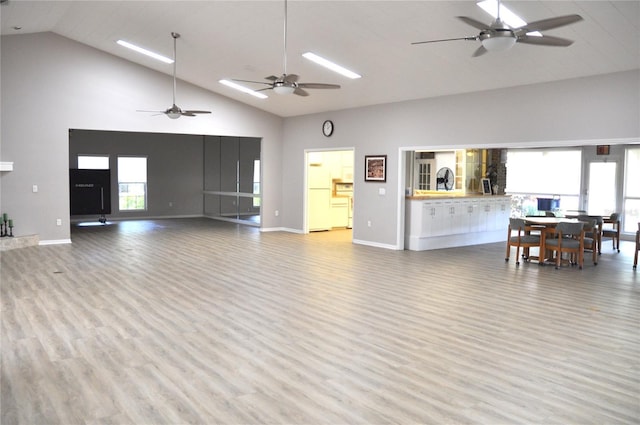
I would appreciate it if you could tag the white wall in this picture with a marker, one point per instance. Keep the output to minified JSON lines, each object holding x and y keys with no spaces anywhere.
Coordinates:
{"x":51,"y":84}
{"x":600,"y":109}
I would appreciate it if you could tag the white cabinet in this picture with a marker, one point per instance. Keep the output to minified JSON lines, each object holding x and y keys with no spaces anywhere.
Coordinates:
{"x":443,"y":223}
{"x":339,"y":212}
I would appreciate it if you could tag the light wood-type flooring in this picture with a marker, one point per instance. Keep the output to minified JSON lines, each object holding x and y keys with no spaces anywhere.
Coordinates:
{"x":195,"y":321}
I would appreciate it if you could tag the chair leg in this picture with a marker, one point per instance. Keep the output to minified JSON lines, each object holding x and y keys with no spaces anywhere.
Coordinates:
{"x":580,"y":258}
{"x":635,"y":257}
{"x":518,"y":255}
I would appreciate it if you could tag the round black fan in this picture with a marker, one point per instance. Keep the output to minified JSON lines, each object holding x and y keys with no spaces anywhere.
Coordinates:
{"x":444,"y":179}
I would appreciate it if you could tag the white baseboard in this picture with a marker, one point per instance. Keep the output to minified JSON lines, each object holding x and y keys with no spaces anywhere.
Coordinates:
{"x":54,"y":242}
{"x":281,"y":229}
{"x":377,"y":245}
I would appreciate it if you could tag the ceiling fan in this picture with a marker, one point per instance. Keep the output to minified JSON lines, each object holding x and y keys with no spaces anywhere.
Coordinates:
{"x":175,"y":112}
{"x":288,"y":83}
{"x":499,"y":36}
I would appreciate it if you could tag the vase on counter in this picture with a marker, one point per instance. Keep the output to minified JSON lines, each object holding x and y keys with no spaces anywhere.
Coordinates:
{"x":495,"y":189}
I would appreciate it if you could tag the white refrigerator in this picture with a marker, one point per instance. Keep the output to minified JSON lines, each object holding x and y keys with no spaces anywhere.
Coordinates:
{"x":318,"y":198}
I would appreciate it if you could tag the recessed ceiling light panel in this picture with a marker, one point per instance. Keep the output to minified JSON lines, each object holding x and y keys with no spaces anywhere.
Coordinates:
{"x":330,"y":65}
{"x":243,"y":89}
{"x":144,"y":51}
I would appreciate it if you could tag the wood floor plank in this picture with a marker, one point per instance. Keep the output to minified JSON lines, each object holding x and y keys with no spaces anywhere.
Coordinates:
{"x":197,"y":321}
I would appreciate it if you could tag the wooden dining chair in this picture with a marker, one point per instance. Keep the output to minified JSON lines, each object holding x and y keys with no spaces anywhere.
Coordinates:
{"x":592,"y":228}
{"x":569,"y":239}
{"x":519,"y":235}
{"x":612,"y":231}
{"x":635,"y":257}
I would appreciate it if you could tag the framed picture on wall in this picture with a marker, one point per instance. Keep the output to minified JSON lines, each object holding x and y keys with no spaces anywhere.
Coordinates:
{"x":486,"y":186}
{"x":375,"y":168}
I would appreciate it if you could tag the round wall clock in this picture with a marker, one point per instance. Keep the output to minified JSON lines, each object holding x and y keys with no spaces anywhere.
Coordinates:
{"x":327,"y":128}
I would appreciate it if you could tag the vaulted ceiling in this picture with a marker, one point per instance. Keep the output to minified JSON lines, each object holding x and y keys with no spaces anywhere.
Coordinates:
{"x":244,"y":40}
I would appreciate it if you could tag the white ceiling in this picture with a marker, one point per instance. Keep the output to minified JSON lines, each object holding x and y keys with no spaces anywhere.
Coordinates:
{"x":244,"y":40}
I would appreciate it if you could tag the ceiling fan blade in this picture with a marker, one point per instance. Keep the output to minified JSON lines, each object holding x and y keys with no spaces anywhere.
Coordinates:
{"x":266,"y":88}
{"x":549,"y":24}
{"x":250,"y":81}
{"x":290,"y":78}
{"x":271,"y":78}
{"x":155,"y":112}
{"x":479,"y":51}
{"x":300,"y":92}
{"x":318,"y":86}
{"x":545,"y":40}
{"x":195,"y":111}
{"x":473,"y":38}
{"x":476,"y":24}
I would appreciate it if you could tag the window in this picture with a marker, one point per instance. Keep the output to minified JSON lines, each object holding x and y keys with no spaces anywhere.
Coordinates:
{"x":533,"y":174}
{"x":93,"y":162}
{"x":132,"y":183}
{"x":632,"y":191}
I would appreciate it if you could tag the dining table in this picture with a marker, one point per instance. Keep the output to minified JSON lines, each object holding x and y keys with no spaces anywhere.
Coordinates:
{"x":546,"y":226}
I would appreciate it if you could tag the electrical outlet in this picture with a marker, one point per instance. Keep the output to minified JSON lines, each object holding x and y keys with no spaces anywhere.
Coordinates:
{"x":368,"y":223}
{"x":277,"y":213}
{"x":34,"y":188}
{"x":170,"y":204}
{"x":58,"y":222}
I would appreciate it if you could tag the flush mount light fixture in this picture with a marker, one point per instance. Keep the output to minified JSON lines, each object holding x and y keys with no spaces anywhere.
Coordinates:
{"x":330,"y":65}
{"x":243,"y":89}
{"x":283,"y":88}
{"x":144,"y":51}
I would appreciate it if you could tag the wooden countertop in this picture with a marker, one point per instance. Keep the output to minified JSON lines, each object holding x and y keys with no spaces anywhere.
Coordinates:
{"x":467,"y":196}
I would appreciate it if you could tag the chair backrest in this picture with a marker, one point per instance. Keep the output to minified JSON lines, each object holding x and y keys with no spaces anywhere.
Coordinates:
{"x":614,"y":216}
{"x":591,"y":221}
{"x":516,"y":223}
{"x":569,"y":228}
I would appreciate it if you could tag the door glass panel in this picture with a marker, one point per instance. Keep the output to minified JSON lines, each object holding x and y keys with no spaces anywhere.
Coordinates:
{"x":602,"y":188}
{"x":631,"y":216}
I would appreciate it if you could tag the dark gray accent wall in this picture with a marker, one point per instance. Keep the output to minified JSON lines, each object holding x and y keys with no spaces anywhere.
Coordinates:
{"x":174,"y":168}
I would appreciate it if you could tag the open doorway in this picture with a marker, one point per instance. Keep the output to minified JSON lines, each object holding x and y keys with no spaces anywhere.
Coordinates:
{"x":329,"y":190}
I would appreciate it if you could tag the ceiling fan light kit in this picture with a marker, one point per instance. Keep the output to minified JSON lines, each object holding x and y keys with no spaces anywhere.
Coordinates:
{"x":283,"y":89}
{"x":498,"y":41}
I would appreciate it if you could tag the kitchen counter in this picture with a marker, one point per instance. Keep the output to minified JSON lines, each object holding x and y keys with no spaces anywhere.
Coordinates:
{"x":454,"y":196}
{"x":435,"y":222}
